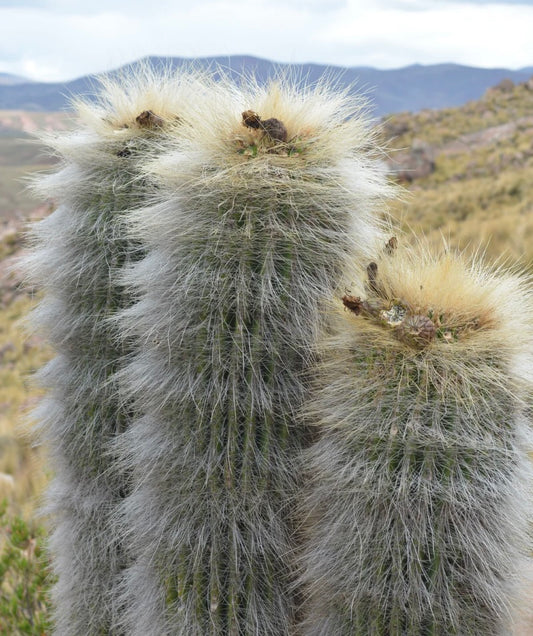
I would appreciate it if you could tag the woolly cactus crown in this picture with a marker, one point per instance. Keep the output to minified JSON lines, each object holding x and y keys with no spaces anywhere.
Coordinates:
{"x":429,"y":301}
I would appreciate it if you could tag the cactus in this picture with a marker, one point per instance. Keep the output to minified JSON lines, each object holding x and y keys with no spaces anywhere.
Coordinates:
{"x":414,"y":518}
{"x":78,"y":251}
{"x":258,"y":214}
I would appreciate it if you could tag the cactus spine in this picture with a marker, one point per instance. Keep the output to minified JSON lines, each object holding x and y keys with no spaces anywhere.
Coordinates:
{"x":79,"y":250}
{"x":416,"y":509}
{"x":257,"y":215}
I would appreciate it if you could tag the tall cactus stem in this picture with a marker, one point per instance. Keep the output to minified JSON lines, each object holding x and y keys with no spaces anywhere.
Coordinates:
{"x":257,"y":215}
{"x":78,"y":253}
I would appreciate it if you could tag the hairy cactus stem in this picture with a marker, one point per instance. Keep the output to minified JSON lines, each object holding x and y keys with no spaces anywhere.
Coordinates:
{"x":417,"y":504}
{"x":244,"y":244}
{"x":79,"y":252}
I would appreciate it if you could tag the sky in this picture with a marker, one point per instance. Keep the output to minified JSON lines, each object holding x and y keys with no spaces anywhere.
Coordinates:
{"x":58,"y":40}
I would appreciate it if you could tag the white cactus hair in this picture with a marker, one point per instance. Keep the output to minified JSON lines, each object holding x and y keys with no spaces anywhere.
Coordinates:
{"x":77,"y":253}
{"x":417,"y":493}
{"x":249,"y":235}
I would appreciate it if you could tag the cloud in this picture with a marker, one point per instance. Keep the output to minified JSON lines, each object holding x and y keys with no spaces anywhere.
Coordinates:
{"x":59,"y":39}
{"x":466,"y":32}
{"x":24,"y":4}
{"x":140,"y":7}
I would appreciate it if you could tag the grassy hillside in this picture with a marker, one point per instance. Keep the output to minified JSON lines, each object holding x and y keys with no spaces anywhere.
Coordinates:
{"x":21,"y":155}
{"x":22,"y":473}
{"x":479,"y":165}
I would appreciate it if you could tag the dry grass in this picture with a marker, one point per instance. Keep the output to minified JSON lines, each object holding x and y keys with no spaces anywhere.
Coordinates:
{"x":482,"y":188}
{"x":496,"y":212}
{"x":22,"y":472}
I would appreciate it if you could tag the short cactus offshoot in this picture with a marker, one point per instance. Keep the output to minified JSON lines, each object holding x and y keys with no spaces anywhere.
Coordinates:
{"x":257,"y":217}
{"x":417,"y":496}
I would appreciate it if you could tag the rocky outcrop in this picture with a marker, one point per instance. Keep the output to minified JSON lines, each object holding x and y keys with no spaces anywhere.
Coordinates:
{"x":415,"y":163}
{"x":505,"y":86}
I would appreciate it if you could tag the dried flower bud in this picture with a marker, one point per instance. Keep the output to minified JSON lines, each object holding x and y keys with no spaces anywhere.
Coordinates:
{"x":275,"y":129}
{"x":148,"y":119}
{"x":353,"y":303}
{"x":372,"y":273}
{"x":391,"y":245}
{"x":250,"y":119}
{"x":418,"y":327}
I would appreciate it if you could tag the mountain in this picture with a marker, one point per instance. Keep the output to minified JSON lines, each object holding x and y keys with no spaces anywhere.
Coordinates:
{"x":6,"y":79}
{"x":411,"y":88}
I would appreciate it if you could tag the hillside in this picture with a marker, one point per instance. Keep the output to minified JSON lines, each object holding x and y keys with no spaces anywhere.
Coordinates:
{"x":22,"y":475}
{"x":410,"y":88}
{"x":469,"y":172}
{"x":21,"y":472}
{"x":21,"y":155}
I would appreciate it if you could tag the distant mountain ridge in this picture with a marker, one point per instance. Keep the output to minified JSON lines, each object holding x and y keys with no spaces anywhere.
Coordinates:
{"x":7,"y":79}
{"x":411,"y":88}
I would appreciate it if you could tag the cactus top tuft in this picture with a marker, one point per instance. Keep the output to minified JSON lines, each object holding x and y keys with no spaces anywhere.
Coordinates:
{"x":423,"y":299}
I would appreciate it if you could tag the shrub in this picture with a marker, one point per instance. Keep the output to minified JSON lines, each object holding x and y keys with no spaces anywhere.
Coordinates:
{"x":25,"y":577}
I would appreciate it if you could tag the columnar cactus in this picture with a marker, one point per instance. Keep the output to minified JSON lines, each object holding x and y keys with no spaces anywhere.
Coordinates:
{"x":418,"y":487}
{"x":261,"y":203}
{"x":79,"y":250}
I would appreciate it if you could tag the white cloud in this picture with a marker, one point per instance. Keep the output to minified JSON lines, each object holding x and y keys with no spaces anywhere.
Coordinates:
{"x":467,"y":33}
{"x":56,"y":40}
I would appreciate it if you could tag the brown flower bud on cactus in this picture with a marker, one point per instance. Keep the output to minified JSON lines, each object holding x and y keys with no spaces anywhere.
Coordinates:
{"x":275,"y":129}
{"x":251,"y":119}
{"x":418,"y":328}
{"x":353,"y":303}
{"x":392,"y":245}
{"x":148,"y":119}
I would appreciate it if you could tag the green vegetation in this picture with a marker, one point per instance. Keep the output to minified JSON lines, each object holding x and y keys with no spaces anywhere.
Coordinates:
{"x":24,"y":577}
